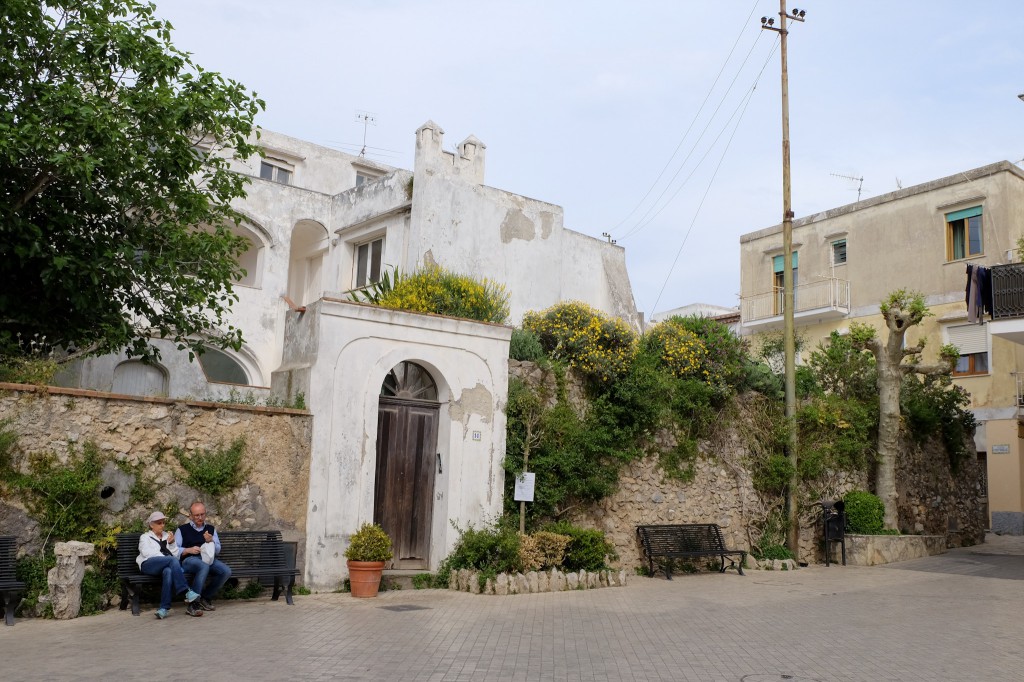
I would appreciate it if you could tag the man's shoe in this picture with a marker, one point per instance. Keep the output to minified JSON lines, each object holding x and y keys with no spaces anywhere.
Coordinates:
{"x":193,"y":610}
{"x":205,"y":604}
{"x":161,"y":613}
{"x":191,"y":596}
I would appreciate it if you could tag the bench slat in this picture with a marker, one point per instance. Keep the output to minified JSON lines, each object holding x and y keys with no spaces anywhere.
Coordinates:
{"x":10,"y":586}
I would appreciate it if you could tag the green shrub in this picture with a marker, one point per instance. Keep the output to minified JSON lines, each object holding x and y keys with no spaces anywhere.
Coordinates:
{"x":215,"y":470}
{"x":680,"y":351}
{"x":726,"y":354}
{"x":865,"y":513}
{"x":584,"y":338}
{"x":488,"y":550}
{"x":772,"y":552}
{"x":439,"y":291}
{"x":938,"y":407}
{"x":772,"y":474}
{"x":588,"y":549}
{"x":525,"y":346}
{"x":369,"y":543}
{"x":32,"y":570}
{"x":64,"y":497}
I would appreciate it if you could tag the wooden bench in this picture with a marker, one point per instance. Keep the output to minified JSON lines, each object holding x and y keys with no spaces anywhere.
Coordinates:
{"x":257,"y":554}
{"x":686,"y":541}
{"x":10,"y":588}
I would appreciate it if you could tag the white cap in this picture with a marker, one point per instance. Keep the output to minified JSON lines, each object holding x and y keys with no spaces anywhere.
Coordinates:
{"x":155,"y":516}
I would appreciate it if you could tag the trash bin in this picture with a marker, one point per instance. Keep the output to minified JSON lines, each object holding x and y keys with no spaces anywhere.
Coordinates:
{"x":834,"y":520}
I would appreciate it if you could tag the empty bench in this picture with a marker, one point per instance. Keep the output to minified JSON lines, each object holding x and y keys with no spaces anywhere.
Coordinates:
{"x":257,"y":554}
{"x":10,"y":588}
{"x":665,"y":543}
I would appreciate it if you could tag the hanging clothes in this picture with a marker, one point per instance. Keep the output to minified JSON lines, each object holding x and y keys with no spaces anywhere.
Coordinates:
{"x":972,"y":294}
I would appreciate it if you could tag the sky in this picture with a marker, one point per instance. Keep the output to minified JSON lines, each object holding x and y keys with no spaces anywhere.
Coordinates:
{"x":658,"y":123}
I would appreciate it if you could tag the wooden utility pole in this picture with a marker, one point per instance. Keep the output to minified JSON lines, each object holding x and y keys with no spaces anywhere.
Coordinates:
{"x":788,"y":330}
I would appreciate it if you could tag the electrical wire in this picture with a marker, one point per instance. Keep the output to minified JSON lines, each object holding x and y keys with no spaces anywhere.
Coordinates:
{"x":679,"y":251}
{"x":692,"y":122}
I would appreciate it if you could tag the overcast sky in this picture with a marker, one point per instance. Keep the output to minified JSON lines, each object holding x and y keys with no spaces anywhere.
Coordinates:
{"x":641,"y":119}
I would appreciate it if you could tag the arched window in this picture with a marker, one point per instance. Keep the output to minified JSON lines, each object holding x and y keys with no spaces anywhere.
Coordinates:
{"x":222,"y":368}
{"x":134,"y":377}
{"x":409,"y":380}
{"x":306,"y":260}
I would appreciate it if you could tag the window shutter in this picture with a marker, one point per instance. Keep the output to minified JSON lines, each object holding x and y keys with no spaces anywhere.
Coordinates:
{"x":777,"y":263}
{"x":969,"y":338}
{"x":961,"y":215}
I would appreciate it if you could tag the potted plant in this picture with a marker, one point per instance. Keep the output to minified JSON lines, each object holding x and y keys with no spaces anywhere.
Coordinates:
{"x":368,"y":549}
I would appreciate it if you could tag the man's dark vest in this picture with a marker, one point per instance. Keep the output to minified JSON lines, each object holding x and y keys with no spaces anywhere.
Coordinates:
{"x":190,"y":537}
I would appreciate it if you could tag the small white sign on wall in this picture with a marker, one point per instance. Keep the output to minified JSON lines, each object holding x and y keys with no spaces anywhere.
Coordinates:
{"x":1001,"y":449}
{"x":524,"y":487}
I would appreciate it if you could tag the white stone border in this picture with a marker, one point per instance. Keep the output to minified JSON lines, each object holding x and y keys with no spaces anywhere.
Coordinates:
{"x":533,"y":582}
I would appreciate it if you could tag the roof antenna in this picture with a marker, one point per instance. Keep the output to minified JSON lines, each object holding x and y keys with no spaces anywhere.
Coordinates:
{"x":859,"y":181}
{"x":367,"y":119}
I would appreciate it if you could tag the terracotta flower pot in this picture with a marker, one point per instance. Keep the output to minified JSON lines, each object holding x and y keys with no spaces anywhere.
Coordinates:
{"x":364,"y":577}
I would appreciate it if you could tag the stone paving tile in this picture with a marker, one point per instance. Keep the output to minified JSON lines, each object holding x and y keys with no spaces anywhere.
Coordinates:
{"x":920,"y":620}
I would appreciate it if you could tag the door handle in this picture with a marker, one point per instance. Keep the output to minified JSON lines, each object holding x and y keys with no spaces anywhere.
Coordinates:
{"x":439,"y":463}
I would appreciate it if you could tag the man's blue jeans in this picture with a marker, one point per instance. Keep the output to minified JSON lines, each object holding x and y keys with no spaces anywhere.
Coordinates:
{"x":174,"y":578}
{"x":218,"y":570}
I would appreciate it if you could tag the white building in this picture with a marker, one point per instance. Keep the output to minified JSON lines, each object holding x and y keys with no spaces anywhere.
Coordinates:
{"x":409,"y":427}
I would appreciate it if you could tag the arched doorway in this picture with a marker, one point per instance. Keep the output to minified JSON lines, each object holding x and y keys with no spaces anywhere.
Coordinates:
{"x":406,"y":461}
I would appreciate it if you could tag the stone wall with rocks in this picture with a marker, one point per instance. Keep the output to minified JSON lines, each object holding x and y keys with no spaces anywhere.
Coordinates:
{"x":933,"y":500}
{"x":138,"y":435}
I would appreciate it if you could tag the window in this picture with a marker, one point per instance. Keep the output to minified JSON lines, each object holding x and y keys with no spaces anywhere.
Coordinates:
{"x":839,"y":252}
{"x":362,"y":178}
{"x":275,"y":173}
{"x":972,"y":340}
{"x":963,"y":234}
{"x":221,"y":367}
{"x":368,"y":262}
{"x":778,"y":283}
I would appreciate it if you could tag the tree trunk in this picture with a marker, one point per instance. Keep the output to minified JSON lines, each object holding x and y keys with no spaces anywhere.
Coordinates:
{"x":889,"y":379}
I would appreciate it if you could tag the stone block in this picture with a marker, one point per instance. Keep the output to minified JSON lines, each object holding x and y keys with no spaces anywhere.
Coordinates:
{"x":65,"y":579}
{"x":501,"y":584}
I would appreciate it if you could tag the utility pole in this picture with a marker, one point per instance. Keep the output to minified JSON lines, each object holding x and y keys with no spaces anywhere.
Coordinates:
{"x":788,"y":330}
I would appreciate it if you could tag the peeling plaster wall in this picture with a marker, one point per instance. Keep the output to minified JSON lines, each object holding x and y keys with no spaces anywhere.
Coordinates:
{"x":357,"y":346}
{"x":521,"y":242}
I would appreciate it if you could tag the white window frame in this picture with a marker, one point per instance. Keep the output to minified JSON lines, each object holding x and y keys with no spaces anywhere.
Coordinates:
{"x":972,"y":340}
{"x":832,"y":251}
{"x":276,"y":170}
{"x":358,"y":262}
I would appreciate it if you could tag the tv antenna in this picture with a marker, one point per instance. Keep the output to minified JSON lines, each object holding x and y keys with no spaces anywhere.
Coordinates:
{"x":859,"y":181}
{"x":609,"y":238}
{"x":367,"y":119}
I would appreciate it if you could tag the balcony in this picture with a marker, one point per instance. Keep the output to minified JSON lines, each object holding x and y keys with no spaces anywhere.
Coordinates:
{"x":1008,"y":302}
{"x":824,"y":299}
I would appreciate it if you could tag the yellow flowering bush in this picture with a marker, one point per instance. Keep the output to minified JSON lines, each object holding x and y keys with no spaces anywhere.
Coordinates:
{"x":681,"y":351}
{"x":437,"y":290}
{"x":585,"y":338}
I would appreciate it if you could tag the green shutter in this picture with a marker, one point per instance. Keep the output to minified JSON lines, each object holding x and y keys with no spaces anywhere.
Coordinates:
{"x":964,"y":214}
{"x":777,"y":263}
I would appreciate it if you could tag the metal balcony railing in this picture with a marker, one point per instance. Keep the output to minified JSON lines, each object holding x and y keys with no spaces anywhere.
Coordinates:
{"x":826,"y":295}
{"x":1007,"y":291}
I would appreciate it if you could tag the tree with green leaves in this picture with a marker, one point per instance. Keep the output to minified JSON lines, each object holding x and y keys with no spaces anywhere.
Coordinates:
{"x":901,"y":310}
{"x":115,"y":189}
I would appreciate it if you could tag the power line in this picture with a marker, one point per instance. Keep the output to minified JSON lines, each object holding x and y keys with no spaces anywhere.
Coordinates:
{"x":692,"y":122}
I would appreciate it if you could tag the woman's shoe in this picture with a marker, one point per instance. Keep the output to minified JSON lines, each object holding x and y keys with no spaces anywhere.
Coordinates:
{"x":191,"y":596}
{"x":162,"y":613}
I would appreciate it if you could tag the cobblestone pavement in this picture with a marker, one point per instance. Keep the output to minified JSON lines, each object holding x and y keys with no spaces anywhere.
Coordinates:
{"x":950,"y":617}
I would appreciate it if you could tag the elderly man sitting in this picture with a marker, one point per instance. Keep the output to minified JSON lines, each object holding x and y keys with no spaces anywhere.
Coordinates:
{"x":191,"y":538}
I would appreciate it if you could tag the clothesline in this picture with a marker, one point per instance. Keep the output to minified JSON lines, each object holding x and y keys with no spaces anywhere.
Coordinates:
{"x":979,"y":293}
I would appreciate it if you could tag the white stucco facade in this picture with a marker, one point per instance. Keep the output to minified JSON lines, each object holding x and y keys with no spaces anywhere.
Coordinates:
{"x":317,"y":220}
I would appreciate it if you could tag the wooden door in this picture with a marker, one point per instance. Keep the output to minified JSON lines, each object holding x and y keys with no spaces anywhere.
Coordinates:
{"x":404,"y":487}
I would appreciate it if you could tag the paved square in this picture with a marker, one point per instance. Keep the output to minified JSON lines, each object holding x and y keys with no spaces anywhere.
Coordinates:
{"x":951,"y":617}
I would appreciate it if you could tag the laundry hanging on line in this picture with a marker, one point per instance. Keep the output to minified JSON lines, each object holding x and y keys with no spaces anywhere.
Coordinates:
{"x":979,"y":293}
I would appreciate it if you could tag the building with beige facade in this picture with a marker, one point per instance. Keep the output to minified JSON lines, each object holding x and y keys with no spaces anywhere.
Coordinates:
{"x":847,"y":259}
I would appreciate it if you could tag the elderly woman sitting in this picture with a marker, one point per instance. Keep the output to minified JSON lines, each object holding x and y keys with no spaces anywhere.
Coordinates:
{"x":158,"y":555}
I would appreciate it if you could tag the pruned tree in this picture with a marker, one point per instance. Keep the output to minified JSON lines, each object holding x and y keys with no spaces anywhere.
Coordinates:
{"x":901,"y":310}
{"x":115,"y":182}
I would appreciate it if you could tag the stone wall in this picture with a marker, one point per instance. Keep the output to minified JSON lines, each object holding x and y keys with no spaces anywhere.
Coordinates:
{"x":932,"y":499}
{"x":138,"y":436}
